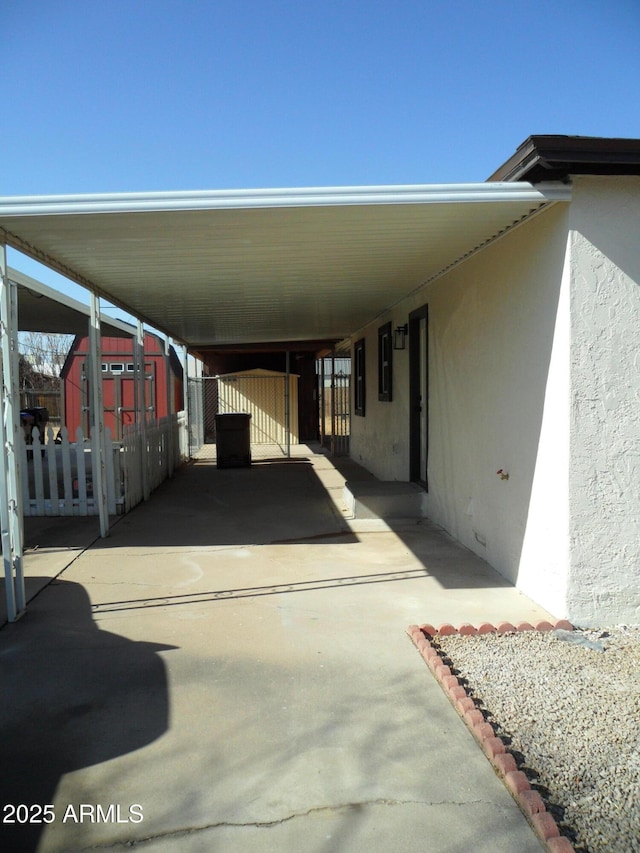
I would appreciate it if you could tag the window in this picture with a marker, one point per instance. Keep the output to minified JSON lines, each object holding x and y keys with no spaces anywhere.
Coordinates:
{"x":359,"y":378}
{"x":117,"y":367}
{"x":385,"y":350}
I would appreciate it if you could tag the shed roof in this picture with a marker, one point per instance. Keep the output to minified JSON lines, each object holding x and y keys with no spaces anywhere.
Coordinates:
{"x":43,"y":309}
{"x":241,"y":267}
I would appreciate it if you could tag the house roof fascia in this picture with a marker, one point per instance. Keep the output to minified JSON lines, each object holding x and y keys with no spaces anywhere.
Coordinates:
{"x":543,"y":158}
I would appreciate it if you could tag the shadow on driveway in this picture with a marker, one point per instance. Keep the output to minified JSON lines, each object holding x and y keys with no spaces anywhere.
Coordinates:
{"x":72,"y":696}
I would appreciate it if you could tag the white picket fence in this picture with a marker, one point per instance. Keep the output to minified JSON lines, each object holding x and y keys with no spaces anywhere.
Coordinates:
{"x":57,"y":474}
{"x":149,"y":458}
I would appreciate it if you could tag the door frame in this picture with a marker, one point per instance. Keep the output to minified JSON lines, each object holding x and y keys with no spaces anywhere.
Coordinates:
{"x":416,"y":373}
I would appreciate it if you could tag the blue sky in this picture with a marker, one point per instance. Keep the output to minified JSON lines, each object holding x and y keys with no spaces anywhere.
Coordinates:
{"x":131,"y":95}
{"x":177,"y":94}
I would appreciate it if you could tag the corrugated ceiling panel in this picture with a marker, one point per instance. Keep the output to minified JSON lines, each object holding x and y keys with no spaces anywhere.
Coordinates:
{"x":266,"y":274}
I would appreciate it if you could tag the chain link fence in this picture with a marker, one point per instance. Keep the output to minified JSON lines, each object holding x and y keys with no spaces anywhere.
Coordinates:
{"x":270,"y":398}
{"x":272,"y":403}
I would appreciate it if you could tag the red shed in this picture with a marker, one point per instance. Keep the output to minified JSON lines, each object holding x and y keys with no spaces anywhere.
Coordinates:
{"x":118,"y":375}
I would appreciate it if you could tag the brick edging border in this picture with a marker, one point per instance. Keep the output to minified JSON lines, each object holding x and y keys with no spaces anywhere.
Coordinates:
{"x":529,"y":801}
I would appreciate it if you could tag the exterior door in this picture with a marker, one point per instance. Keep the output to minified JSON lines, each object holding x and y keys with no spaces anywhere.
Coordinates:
{"x":419,"y":394}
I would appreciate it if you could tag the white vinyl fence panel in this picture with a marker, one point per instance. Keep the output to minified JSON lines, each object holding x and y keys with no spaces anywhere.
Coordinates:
{"x":154,"y":453}
{"x":57,"y":475}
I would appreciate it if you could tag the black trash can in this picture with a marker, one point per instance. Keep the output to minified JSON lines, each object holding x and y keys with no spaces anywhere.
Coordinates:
{"x":233,"y":440}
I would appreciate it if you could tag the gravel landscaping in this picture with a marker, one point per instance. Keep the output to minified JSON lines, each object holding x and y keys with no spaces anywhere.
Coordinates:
{"x":567,"y":705}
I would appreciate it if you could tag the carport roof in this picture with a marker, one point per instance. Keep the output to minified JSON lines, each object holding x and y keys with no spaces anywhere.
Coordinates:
{"x":241,"y":267}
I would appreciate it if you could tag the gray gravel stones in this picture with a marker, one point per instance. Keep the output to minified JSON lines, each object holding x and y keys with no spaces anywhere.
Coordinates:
{"x":568,"y":708}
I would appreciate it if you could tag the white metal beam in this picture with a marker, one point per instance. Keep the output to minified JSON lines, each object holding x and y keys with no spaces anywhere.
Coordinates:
{"x":11,"y":515}
{"x":97,"y":417}
{"x":141,"y":404}
{"x":185,"y":396}
{"x":170,"y":406}
{"x":287,"y":401}
{"x":333,"y":401}
{"x":11,"y":206}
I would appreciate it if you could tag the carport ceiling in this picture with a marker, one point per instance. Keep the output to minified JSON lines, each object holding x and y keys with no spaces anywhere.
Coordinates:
{"x":234,"y":267}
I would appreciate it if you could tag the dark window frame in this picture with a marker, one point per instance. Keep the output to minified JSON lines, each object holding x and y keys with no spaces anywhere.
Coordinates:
{"x":385,"y":363}
{"x":359,"y":378}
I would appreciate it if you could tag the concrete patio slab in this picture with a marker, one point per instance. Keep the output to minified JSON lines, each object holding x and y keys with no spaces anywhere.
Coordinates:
{"x":56,"y":542}
{"x":229,"y":671}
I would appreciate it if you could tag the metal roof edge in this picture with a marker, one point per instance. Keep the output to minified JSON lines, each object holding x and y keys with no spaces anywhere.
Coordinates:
{"x":12,"y":206}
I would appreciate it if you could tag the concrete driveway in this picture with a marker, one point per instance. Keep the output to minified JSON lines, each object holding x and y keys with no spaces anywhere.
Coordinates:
{"x":229,"y":671}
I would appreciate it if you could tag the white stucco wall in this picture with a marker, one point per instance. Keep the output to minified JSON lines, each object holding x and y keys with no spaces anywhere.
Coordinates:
{"x":605,"y":414}
{"x":380,"y":439}
{"x":498,"y":399}
{"x":534,"y":369}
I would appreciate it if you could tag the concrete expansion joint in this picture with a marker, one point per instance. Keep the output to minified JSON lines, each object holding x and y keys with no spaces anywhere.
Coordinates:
{"x":529,"y":801}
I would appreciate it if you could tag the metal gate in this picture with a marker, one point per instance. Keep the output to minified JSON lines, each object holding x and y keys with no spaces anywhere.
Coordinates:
{"x":270,"y":398}
{"x":334,"y":396}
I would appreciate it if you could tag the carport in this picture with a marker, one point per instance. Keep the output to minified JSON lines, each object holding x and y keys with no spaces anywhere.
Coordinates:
{"x":243,"y":267}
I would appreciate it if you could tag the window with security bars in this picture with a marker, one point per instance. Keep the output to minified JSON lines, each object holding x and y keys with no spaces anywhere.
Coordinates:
{"x":385,"y":373}
{"x":359,"y":383}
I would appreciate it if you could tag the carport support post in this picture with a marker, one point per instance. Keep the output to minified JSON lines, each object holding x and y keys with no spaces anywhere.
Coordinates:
{"x":185,"y":381}
{"x":185,"y":399}
{"x":321,"y":403}
{"x":170,"y":398}
{"x":333,"y":401}
{"x":11,"y":515}
{"x":97,"y":417}
{"x":287,"y":401}
{"x":141,"y":405}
